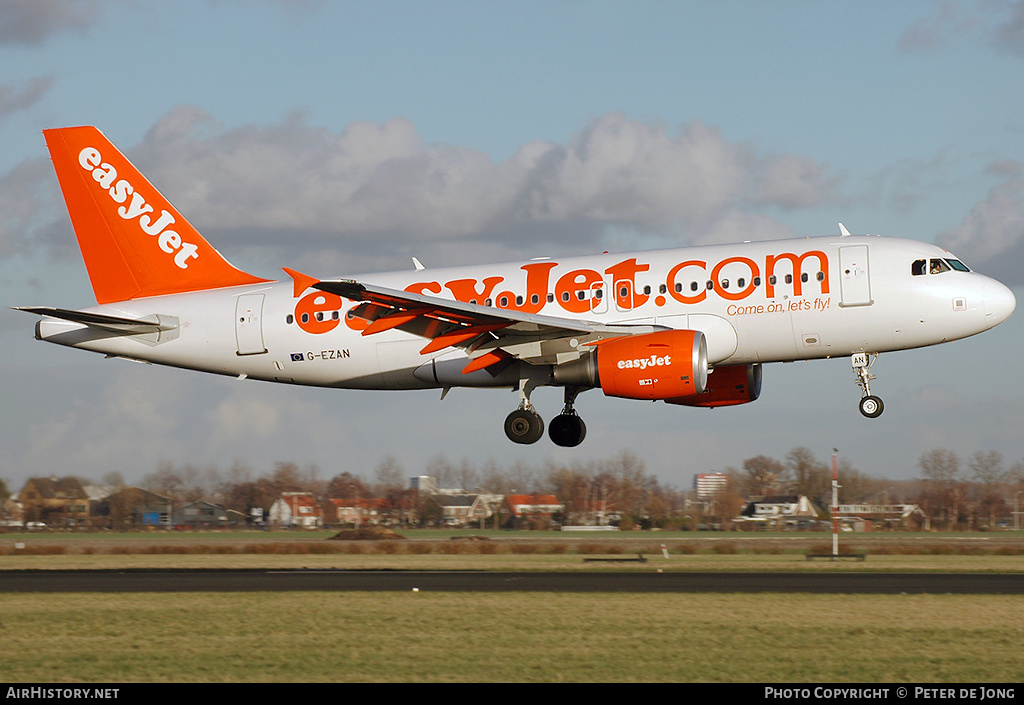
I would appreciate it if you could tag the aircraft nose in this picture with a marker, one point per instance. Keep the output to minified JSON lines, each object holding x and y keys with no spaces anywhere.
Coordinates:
{"x":999,"y":303}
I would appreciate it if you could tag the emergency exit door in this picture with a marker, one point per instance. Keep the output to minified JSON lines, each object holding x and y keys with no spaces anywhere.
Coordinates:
{"x":854,"y":282}
{"x":249,"y":324}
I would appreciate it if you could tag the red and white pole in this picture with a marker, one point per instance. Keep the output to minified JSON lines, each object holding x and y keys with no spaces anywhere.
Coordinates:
{"x":835,"y":505}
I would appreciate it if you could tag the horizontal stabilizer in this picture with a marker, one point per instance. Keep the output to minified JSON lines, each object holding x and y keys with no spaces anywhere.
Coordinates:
{"x":125,"y":326}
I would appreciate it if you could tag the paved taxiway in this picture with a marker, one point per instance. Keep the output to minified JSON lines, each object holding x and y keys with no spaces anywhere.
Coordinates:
{"x":482,"y":581}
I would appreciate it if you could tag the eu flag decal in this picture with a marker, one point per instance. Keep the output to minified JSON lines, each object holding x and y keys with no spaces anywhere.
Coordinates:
{"x":297,"y":357}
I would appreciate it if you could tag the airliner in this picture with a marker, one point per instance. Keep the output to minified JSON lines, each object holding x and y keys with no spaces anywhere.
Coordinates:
{"x":690,"y":327}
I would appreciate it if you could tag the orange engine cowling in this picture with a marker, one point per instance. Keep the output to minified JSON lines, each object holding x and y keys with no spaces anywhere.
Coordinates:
{"x":662,"y":365}
{"x":727,"y":386}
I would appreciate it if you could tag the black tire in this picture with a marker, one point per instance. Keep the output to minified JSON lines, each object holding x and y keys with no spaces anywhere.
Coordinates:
{"x":871,"y":407}
{"x":567,"y":430}
{"x":522,"y":426}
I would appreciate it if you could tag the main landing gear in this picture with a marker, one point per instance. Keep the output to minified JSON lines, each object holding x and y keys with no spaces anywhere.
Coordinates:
{"x":524,"y":425}
{"x":870,"y":405}
{"x":567,"y":429}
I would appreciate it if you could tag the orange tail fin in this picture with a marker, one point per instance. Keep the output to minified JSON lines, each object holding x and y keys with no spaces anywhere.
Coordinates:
{"x":134,"y":242}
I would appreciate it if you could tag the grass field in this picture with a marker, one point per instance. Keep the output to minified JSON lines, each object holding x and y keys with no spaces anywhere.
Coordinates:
{"x":446,"y":637}
{"x":436,"y":550}
{"x":509,"y":637}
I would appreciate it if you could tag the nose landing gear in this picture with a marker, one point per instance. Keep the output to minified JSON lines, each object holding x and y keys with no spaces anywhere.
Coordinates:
{"x":870,"y":405}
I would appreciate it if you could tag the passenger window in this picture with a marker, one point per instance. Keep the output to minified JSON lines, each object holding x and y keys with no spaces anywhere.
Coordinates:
{"x":918,"y":267}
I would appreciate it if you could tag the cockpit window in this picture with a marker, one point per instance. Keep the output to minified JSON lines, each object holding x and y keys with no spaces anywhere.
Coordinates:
{"x":937,"y":266}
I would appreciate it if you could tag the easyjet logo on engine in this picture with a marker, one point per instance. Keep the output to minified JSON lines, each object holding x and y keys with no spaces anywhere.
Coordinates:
{"x":644,"y":363}
{"x":136,"y":208}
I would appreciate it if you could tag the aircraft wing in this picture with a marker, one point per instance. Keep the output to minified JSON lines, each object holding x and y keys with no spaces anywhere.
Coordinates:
{"x":489,"y":335}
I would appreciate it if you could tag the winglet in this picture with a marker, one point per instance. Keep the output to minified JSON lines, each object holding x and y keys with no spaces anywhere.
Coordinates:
{"x":301,"y":281}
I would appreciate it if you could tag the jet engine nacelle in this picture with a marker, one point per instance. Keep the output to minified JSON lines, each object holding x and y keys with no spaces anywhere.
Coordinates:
{"x":727,"y":386}
{"x":662,"y":365}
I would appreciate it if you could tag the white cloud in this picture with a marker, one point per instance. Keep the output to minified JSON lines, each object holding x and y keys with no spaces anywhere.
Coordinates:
{"x":993,"y":232}
{"x":377,"y":193}
{"x":1009,"y":33}
{"x":32,"y":21}
{"x":999,"y":23}
{"x":14,"y":98}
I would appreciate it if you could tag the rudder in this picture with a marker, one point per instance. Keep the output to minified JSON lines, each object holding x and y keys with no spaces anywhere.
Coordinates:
{"x":134,"y":242}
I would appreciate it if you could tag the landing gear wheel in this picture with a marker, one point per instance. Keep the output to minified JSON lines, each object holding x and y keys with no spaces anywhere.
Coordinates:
{"x":567,"y":430}
{"x":524,"y":426}
{"x":871,"y":407}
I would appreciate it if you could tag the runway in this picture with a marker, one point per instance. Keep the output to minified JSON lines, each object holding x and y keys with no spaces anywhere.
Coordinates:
{"x":146,"y":580}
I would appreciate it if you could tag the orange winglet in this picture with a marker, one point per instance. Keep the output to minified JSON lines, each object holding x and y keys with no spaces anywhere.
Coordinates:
{"x":301,"y":281}
{"x":485,"y":361}
{"x":393,"y":320}
{"x":458,"y":336}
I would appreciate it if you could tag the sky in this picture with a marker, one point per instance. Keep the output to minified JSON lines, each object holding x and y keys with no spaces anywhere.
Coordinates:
{"x":346,"y":137}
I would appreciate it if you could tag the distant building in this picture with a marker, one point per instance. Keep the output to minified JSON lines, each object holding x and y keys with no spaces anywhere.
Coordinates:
{"x":526,"y":510}
{"x":207,"y":515}
{"x":132,"y":508}
{"x":424,"y":483}
{"x":708,"y":485}
{"x":787,"y":509}
{"x":55,"y":502}
{"x":11,"y":513}
{"x":455,"y":509}
{"x":296,"y":509}
{"x":358,"y":511}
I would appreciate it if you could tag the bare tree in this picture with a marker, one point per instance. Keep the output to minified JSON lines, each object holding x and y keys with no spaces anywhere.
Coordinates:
{"x":941,"y":468}
{"x":762,"y":476}
{"x":987,"y":470}
{"x":389,"y":475}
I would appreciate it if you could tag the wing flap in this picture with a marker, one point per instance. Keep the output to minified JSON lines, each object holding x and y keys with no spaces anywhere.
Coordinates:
{"x":489,"y":335}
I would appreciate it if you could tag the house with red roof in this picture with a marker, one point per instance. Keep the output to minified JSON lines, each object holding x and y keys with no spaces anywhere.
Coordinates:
{"x":358,"y":511}
{"x":523,"y":511}
{"x":296,"y":509}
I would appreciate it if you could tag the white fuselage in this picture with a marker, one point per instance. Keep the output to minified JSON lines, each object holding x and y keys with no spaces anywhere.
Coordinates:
{"x":755,"y":302}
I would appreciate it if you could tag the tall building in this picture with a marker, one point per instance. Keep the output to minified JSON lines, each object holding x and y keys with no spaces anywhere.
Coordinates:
{"x":710,"y":484}
{"x":424,"y":483}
